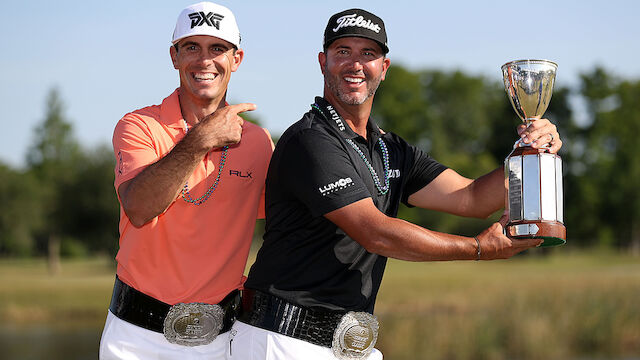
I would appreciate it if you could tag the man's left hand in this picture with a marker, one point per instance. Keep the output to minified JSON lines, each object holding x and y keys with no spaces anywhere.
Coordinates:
{"x":541,"y":133}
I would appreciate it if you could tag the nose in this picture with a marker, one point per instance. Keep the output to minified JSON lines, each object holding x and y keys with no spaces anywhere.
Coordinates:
{"x":356,"y":63}
{"x":205,"y":59}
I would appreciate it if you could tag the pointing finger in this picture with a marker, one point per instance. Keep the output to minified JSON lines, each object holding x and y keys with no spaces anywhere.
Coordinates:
{"x":242,"y":107}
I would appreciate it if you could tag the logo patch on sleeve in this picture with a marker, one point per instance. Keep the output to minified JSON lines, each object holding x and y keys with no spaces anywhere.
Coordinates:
{"x":335,"y":186}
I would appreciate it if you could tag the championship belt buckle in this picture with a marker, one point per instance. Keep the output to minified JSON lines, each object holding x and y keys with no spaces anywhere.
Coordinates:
{"x":355,"y":336}
{"x":193,"y":324}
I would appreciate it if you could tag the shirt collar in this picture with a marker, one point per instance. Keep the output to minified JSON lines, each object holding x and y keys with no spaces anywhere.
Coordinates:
{"x":170,"y":113}
{"x":331,"y":116}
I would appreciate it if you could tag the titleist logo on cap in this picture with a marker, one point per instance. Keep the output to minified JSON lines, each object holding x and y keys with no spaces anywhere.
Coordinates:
{"x":359,"y":21}
{"x":355,"y":23}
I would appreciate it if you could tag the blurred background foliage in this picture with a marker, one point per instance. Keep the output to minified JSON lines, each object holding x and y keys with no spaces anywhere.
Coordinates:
{"x":467,"y":123}
{"x":62,"y":201}
{"x":563,"y":305}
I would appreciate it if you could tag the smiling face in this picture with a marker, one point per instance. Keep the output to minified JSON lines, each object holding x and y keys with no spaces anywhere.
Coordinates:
{"x":205,"y":64}
{"x":353,"y":68}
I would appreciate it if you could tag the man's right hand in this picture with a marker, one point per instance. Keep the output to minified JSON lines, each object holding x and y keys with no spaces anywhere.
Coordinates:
{"x":222,"y":127}
{"x":494,"y":244}
{"x":153,"y":190}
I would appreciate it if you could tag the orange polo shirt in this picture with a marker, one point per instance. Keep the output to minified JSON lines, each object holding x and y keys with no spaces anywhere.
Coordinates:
{"x":190,"y":253}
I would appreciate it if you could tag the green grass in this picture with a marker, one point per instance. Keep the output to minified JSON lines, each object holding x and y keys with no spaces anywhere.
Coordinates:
{"x":562,"y":306}
{"x":78,"y":295}
{"x":555,"y":307}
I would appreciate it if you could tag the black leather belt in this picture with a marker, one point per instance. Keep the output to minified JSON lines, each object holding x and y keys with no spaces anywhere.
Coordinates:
{"x":145,"y":311}
{"x":275,"y":314}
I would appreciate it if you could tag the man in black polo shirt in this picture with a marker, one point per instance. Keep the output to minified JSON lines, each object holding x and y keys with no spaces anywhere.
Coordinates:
{"x":333,"y":189}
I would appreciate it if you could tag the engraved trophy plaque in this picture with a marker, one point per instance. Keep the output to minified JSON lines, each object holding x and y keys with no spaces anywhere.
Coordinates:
{"x":534,"y":193}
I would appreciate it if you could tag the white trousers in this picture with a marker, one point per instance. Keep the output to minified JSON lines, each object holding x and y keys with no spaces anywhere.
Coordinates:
{"x":248,"y":342}
{"x":124,"y":341}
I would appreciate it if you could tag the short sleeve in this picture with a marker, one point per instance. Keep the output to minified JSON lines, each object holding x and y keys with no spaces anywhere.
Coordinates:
{"x":317,"y":170}
{"x":423,"y":171}
{"x":133,"y":147}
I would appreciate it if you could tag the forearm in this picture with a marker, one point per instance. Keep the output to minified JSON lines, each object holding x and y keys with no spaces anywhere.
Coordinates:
{"x":151,"y":192}
{"x":402,"y":240}
{"x":399,"y":239}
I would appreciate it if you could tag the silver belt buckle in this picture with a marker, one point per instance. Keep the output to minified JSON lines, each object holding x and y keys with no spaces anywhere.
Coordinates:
{"x":355,"y":336}
{"x":193,"y":324}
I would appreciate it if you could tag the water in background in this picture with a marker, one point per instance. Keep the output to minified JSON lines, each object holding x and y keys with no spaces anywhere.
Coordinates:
{"x":41,"y":342}
{"x":77,"y":343}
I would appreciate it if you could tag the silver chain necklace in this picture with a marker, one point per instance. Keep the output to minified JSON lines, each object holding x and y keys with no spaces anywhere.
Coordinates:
{"x":385,"y":159}
{"x":186,"y":195}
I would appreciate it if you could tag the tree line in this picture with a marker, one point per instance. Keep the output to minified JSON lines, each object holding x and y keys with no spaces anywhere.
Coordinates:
{"x":467,"y":123}
{"x":63,"y":200}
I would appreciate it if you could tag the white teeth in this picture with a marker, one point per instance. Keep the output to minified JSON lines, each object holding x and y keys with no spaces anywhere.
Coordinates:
{"x":354,"y":80}
{"x":204,"y":76}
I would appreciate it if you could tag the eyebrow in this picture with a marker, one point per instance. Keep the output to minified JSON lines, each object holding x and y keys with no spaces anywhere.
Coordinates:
{"x":340,"y":47}
{"x":188,"y":43}
{"x":221,"y":44}
{"x":218,"y":44}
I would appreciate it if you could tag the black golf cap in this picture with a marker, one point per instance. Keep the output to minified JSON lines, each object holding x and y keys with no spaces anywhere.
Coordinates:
{"x":356,"y":22}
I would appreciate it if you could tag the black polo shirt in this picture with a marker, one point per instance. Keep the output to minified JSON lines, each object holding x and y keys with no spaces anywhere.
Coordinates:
{"x":305,"y":258}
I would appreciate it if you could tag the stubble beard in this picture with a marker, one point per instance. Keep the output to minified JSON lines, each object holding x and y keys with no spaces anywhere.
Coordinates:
{"x":351,"y":98}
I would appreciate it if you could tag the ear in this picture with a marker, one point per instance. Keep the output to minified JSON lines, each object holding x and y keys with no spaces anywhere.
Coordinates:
{"x":385,"y":66}
{"x":174,"y":56}
{"x":236,"y":59}
{"x":322,"y":59}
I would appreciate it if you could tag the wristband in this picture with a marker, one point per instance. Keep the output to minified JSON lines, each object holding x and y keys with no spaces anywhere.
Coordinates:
{"x":479,"y":252}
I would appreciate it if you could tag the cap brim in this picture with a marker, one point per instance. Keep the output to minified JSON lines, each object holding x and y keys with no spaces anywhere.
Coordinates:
{"x":177,"y":40}
{"x":384,"y":47}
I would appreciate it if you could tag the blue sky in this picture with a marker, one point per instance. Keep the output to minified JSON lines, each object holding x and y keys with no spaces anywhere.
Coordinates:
{"x":111,"y":57}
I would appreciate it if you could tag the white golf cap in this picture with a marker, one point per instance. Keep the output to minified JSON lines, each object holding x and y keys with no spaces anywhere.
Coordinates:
{"x":207,"y":18}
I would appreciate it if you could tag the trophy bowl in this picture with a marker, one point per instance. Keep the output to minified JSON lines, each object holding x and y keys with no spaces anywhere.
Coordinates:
{"x":534,"y":199}
{"x":529,"y":85}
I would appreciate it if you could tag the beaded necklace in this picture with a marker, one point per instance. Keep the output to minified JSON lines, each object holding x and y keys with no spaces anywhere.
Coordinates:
{"x":385,"y":159}
{"x":186,"y":196}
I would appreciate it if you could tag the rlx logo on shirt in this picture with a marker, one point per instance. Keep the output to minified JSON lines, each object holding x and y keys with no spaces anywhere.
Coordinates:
{"x":335,"y":186}
{"x":200,"y":18}
{"x":239,"y":173}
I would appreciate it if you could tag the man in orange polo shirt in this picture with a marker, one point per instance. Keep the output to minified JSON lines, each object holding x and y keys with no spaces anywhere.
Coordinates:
{"x":190,"y":178}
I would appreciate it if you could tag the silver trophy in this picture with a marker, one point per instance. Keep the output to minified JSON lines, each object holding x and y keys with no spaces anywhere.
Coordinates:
{"x":534,"y":193}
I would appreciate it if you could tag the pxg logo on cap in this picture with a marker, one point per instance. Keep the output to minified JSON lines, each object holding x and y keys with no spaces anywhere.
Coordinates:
{"x":207,"y":18}
{"x":210,"y":19}
{"x":358,"y":23}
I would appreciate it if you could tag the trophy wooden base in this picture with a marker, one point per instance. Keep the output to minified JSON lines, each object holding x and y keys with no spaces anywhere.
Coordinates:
{"x":553,"y":233}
